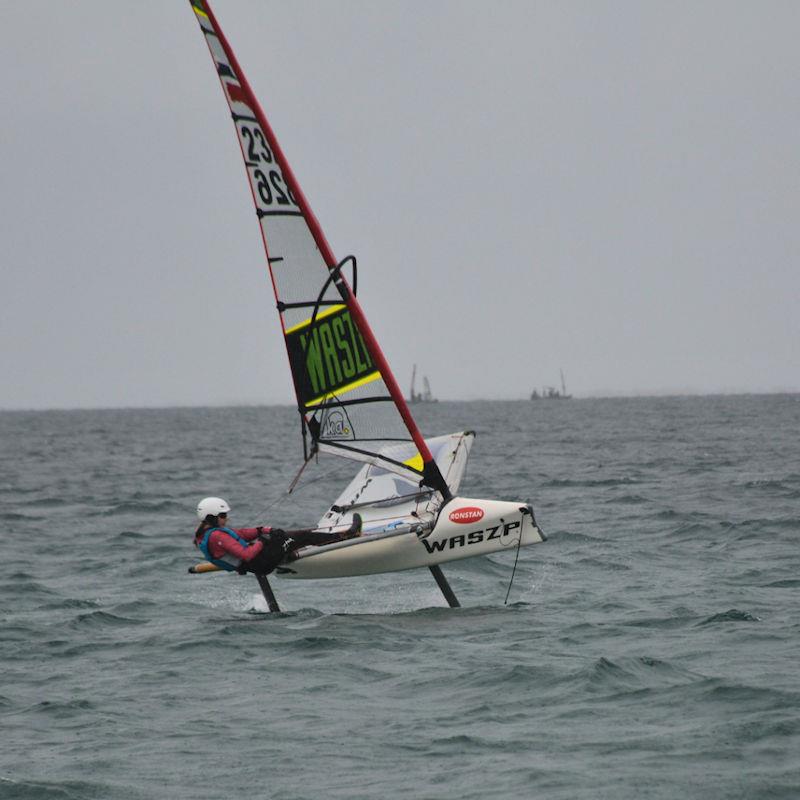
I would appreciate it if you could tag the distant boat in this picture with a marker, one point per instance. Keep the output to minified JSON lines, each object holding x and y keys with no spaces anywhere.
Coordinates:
{"x":426,"y":395}
{"x":551,"y":393}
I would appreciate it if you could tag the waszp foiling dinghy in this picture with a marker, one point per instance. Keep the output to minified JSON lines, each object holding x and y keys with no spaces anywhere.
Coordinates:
{"x":349,"y":402}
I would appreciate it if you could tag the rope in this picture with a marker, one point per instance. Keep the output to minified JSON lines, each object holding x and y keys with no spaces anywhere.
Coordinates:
{"x":491,"y":487}
{"x":293,"y":489}
{"x":513,"y":571}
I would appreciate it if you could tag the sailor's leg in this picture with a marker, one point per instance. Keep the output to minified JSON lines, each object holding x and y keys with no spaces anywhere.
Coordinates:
{"x":304,"y":538}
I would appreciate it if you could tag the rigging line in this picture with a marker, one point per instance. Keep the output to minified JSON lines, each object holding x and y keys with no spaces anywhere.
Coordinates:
{"x":518,"y":450}
{"x":418,"y":496}
{"x":293,"y":484}
{"x":509,"y":458}
{"x":393,"y":518}
{"x":272,"y":504}
{"x":293,"y":489}
{"x":514,"y":570}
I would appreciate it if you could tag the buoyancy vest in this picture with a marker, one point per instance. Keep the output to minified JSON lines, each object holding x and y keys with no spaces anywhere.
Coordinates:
{"x":225,"y":561}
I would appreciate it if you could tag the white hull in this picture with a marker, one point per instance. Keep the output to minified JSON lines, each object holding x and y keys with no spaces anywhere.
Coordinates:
{"x":464,"y":528}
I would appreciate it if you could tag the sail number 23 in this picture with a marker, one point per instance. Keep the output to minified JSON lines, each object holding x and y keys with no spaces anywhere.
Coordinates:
{"x":267,"y":179}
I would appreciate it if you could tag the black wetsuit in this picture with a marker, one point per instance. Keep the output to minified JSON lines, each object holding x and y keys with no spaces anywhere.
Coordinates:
{"x":278,"y":544}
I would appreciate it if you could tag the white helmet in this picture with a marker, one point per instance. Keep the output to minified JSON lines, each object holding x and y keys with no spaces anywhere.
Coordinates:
{"x":213,"y":506}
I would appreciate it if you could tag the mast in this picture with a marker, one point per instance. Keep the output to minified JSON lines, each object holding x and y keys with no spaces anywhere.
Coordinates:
{"x":431,"y":474}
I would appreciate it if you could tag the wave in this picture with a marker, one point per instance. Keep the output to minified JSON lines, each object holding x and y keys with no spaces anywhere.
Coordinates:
{"x":731,"y":615}
{"x":559,"y":483}
{"x":63,"y":709}
{"x":691,"y":530}
{"x":633,"y":673}
{"x":745,"y":697}
{"x":13,"y":516}
{"x":760,"y":524}
{"x":25,"y":789}
{"x":627,"y":500}
{"x":464,"y":743}
{"x":22,"y":587}
{"x":733,"y":531}
{"x":137,"y":607}
{"x":138,"y":507}
{"x":67,"y":603}
{"x":572,"y":536}
{"x":48,"y":502}
{"x":130,"y":535}
{"x":310,"y":645}
{"x":605,"y":563}
{"x":774,"y":487}
{"x":103,"y":619}
{"x":630,"y":675}
{"x":789,"y":583}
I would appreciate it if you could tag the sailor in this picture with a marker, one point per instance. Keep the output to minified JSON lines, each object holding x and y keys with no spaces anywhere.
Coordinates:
{"x":258,"y":549}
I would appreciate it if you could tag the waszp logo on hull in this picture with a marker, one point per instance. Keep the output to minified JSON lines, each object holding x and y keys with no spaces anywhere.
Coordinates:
{"x":474,"y":537}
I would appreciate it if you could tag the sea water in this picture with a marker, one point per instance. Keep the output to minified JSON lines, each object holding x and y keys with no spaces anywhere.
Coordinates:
{"x":649,"y":649}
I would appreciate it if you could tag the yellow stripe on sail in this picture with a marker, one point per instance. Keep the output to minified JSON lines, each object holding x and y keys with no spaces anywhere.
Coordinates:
{"x":322,"y":314}
{"x":373,"y":376}
{"x":198,"y":9}
{"x":415,"y":463}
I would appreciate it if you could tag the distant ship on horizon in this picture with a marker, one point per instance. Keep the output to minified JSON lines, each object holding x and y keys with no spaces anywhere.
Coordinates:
{"x":551,"y":392}
{"x":425,"y":396}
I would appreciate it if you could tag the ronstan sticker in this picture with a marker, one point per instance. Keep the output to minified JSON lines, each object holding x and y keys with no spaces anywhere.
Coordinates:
{"x":466,"y":515}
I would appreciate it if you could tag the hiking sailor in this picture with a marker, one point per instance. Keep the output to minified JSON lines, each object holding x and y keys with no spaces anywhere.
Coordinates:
{"x":258,"y":549}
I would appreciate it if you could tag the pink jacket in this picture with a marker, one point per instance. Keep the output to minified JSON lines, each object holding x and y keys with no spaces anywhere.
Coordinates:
{"x":220,"y":543}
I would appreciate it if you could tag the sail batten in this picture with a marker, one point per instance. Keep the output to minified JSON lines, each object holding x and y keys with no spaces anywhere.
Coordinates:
{"x":346,"y":392}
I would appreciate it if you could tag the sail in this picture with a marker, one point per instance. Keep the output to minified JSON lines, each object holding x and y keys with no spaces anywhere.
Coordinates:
{"x":347,"y":396}
{"x":386,"y":500}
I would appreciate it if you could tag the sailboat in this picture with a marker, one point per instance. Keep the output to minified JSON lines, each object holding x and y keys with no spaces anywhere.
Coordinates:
{"x":551,"y":393}
{"x":348,"y":400}
{"x":426,"y":395}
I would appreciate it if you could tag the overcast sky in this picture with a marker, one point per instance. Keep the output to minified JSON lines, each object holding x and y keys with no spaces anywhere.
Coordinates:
{"x":607,"y":188}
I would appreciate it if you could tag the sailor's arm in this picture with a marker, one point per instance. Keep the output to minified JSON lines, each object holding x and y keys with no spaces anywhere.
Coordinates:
{"x":221,"y":541}
{"x":253,"y":533}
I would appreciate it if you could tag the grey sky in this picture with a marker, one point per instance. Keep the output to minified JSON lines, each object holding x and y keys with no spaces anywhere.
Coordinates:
{"x":608,"y":188}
